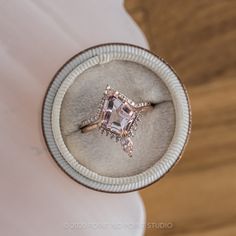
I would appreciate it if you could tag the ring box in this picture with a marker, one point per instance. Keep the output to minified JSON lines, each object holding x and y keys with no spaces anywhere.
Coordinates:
{"x":74,"y":95}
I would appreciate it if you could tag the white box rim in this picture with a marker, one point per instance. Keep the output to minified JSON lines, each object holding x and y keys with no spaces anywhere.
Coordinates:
{"x":61,"y":82}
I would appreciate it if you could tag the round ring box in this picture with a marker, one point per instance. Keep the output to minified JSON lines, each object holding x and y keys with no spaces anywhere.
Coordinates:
{"x":74,"y":95}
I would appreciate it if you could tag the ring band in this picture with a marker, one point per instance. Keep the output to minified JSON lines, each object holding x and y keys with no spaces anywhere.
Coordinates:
{"x":117,"y":116}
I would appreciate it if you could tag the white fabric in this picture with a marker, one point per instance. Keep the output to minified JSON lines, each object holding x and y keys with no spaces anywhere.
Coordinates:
{"x":37,"y":197}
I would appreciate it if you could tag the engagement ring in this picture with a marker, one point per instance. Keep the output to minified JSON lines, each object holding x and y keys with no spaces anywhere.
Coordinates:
{"x":117,"y":116}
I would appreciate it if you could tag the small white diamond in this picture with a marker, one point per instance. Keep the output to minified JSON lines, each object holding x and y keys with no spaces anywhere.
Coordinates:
{"x":127,"y":145}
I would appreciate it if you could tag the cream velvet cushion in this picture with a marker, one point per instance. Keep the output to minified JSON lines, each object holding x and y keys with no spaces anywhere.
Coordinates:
{"x":98,"y":152}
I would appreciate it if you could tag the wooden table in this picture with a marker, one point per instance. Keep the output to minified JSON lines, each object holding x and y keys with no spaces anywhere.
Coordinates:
{"x":198,"y":38}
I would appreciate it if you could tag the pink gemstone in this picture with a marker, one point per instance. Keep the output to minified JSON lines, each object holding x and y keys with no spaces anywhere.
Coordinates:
{"x":118,"y":116}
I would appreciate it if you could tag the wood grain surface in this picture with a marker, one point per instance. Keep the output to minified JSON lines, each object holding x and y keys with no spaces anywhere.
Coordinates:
{"x":198,"y":38}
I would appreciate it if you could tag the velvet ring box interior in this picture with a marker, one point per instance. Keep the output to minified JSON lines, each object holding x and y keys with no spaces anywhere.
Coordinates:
{"x":95,"y":160}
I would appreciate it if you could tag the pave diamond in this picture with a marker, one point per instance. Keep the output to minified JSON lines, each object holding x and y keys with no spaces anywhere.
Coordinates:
{"x":127,"y":145}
